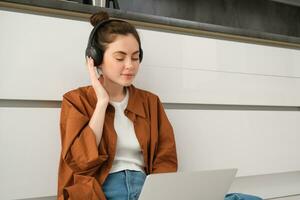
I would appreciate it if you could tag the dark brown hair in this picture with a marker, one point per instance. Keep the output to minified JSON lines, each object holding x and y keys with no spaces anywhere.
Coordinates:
{"x":109,"y":31}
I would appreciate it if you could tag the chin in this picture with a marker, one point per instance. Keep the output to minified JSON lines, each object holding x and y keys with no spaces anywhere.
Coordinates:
{"x":127,"y":84}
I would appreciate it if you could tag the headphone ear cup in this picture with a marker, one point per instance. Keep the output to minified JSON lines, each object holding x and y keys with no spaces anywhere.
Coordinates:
{"x":141,"y":55}
{"x":95,"y":53}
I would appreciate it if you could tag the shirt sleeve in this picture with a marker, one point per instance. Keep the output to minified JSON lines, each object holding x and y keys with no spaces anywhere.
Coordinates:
{"x":165,"y":159}
{"x":78,"y":141}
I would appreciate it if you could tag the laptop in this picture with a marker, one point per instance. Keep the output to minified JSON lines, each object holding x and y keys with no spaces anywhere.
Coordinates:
{"x":197,"y":185}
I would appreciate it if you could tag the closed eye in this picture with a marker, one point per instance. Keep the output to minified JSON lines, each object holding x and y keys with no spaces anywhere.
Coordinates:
{"x":120,"y":59}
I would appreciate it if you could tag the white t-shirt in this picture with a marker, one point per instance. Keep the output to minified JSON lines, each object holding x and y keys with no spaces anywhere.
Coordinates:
{"x":128,"y":152}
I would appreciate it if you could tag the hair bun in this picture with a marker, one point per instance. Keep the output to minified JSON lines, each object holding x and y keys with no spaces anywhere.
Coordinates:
{"x":98,"y":17}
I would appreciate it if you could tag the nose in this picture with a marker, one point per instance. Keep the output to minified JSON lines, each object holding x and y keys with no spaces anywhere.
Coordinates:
{"x":129,"y":64}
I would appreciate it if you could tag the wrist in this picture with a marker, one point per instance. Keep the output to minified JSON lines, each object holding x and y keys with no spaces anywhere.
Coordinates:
{"x":102,"y":104}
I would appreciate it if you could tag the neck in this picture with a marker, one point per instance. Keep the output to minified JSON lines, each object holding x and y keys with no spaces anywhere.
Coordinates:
{"x":115,"y":91}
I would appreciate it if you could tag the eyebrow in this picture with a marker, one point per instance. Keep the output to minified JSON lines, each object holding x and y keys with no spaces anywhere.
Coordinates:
{"x":122,"y":52}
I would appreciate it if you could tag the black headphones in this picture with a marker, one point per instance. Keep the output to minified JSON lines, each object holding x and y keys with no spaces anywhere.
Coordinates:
{"x":93,"y":49}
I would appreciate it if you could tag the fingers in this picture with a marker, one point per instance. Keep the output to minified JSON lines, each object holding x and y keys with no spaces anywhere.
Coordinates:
{"x":90,"y":64}
{"x":92,"y":70}
{"x":90,"y":61}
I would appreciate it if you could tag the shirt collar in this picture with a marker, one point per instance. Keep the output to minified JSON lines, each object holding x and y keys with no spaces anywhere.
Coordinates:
{"x":135,"y":102}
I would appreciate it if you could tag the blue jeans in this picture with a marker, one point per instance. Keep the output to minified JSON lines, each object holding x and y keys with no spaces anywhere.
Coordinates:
{"x":239,"y":196}
{"x":127,"y":185}
{"x":124,"y":185}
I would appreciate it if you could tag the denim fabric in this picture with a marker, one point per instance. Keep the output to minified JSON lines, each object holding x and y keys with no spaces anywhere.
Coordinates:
{"x":239,"y":196}
{"x":124,"y":185}
{"x":127,"y":185}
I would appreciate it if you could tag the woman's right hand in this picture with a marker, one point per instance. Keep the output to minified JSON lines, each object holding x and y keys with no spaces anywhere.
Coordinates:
{"x":100,"y":91}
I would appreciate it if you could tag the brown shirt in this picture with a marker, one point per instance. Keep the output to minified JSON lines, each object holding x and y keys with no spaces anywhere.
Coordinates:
{"x":84,"y":166}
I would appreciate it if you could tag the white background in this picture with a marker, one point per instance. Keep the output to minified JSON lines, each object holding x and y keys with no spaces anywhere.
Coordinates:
{"x":42,"y":57}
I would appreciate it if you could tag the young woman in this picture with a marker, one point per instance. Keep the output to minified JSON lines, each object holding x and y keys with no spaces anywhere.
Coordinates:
{"x":112,"y":134}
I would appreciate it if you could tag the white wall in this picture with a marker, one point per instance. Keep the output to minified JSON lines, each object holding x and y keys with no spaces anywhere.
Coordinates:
{"x":42,"y":57}
{"x":30,"y":147}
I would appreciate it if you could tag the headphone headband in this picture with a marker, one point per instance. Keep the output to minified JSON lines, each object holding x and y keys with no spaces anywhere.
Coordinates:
{"x":102,"y":23}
